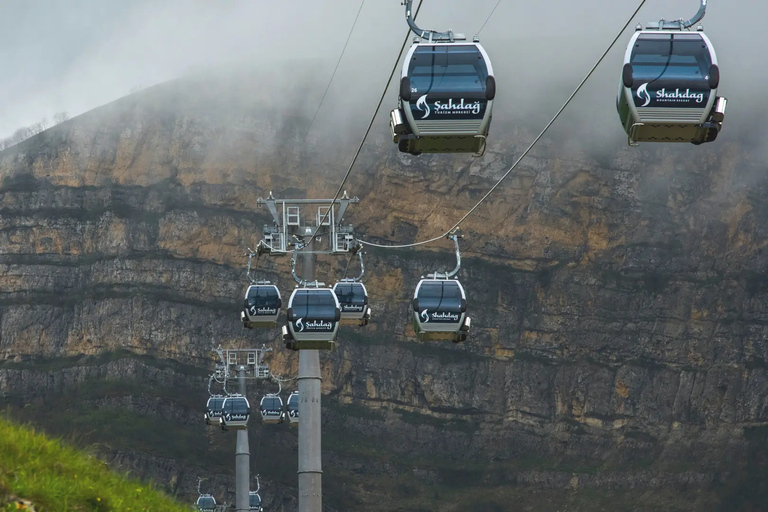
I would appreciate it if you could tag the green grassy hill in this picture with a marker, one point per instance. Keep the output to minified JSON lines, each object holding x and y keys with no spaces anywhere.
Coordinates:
{"x":54,"y":477}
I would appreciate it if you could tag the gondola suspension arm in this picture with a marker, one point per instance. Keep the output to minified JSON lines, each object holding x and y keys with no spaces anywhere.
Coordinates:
{"x":429,"y":35}
{"x":455,"y":237}
{"x":681,"y":24}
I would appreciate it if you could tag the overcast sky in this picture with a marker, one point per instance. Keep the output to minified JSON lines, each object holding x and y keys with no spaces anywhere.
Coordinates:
{"x":74,"y":55}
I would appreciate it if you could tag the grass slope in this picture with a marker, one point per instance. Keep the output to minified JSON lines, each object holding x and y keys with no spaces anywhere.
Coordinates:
{"x":55,"y":477}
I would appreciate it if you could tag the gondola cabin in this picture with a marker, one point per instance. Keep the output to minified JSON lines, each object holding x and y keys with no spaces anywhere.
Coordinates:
{"x":446,"y":99}
{"x":353,"y":302}
{"x":271,"y":408}
{"x":668,"y":88}
{"x":313,"y":319}
{"x":292,"y":408}
{"x":254,"y":501}
{"x":262,"y":306}
{"x":440,"y":310}
{"x":206,"y":503}
{"x":214,"y":410}
{"x":235,"y":413}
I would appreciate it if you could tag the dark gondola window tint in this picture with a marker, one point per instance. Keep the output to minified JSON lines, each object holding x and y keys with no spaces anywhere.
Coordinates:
{"x":271,"y":404}
{"x":314,"y":305}
{"x":206,"y":503}
{"x":442,"y":296}
{"x":236,"y":406}
{"x":293,"y":401}
{"x":263,"y":296}
{"x":670,"y":57}
{"x":214,"y":404}
{"x":254,"y":500}
{"x":350,"y":293}
{"x":449,"y":69}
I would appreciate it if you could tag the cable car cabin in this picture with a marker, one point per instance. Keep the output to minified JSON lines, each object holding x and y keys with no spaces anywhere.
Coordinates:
{"x":235,"y":413}
{"x":254,"y":501}
{"x":353,"y":302}
{"x":440,"y":310}
{"x":668,"y":89}
{"x":262,"y":306}
{"x":446,"y":98}
{"x":213,"y":409}
{"x":271,"y":408}
{"x":206,"y":503}
{"x":313,"y":319}
{"x":292,"y":408}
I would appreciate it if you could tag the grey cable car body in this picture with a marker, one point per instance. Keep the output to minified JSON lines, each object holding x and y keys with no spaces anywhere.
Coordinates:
{"x":313,"y":318}
{"x":271,"y":409}
{"x":235,"y":413}
{"x":262,"y":305}
{"x":447,"y":87}
{"x":669,"y":82}
{"x":353,"y":298}
{"x":440,"y":305}
{"x":213,"y":409}
{"x":440,"y":310}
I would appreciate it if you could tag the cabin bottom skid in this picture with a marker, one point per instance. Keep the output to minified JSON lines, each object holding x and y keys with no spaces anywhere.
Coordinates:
{"x":407,"y":142}
{"x":444,"y":335}
{"x":316,"y":344}
{"x":665,"y":125}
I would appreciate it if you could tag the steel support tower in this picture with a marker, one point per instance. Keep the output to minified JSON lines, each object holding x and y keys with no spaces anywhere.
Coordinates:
{"x":325,"y":223}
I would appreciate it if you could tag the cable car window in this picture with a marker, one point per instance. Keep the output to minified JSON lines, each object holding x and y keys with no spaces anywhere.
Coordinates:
{"x":215,"y":404}
{"x":670,"y":57}
{"x":236,"y":406}
{"x":263,"y":296}
{"x":206,"y":502}
{"x":350,"y":294}
{"x":440,"y":296}
{"x":448,"y":69}
{"x":254,"y":500}
{"x":315,"y":304}
{"x":270,"y":403}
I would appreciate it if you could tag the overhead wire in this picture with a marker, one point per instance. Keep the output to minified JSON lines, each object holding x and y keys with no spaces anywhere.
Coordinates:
{"x":344,"y":49}
{"x":525,"y":153}
{"x":367,"y":131}
{"x":489,"y":17}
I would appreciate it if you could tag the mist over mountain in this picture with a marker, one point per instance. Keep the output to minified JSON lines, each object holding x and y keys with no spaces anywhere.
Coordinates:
{"x":618,"y":358}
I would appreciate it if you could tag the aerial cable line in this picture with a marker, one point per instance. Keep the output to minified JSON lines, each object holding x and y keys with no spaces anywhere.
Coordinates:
{"x":489,"y":17}
{"x":525,"y":153}
{"x":335,"y":69}
{"x":365,"y":136}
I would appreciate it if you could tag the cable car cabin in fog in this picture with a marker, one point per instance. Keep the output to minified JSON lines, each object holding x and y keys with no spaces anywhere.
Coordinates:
{"x":271,"y":408}
{"x":313,"y":319}
{"x":254,"y":501}
{"x":262,"y":306}
{"x":446,"y":98}
{"x":235,"y":413}
{"x":353,"y":302}
{"x":440,"y":310}
{"x":668,"y":89}
{"x":206,"y":503}
{"x":214,"y":410}
{"x":292,"y":408}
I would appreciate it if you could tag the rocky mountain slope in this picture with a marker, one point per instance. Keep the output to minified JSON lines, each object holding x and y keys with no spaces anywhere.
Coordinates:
{"x":618,"y":359}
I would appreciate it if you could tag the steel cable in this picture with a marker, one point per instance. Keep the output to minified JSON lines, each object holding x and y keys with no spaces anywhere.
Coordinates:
{"x":367,"y":131}
{"x":335,"y":69}
{"x":525,"y":153}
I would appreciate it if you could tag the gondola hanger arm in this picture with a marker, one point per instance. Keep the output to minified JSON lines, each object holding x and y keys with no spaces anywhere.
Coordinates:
{"x":455,"y":237}
{"x":429,"y":35}
{"x":681,"y":24}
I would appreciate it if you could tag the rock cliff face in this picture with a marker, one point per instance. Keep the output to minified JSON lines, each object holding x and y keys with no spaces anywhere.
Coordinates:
{"x":619,"y":353}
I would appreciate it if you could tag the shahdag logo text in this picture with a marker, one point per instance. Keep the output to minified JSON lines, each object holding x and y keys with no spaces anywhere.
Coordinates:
{"x":447,"y":107}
